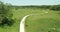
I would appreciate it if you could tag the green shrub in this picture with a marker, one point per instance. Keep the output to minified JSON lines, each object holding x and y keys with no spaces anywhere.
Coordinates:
{"x":7,"y":21}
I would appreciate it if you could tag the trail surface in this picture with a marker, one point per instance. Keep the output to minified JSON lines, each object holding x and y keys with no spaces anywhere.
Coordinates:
{"x":22,"y":23}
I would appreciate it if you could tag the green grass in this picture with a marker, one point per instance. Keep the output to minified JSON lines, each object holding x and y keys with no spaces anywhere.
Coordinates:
{"x":42,"y":22}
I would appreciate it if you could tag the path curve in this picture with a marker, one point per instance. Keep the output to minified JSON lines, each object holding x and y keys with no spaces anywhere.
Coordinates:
{"x":22,"y":23}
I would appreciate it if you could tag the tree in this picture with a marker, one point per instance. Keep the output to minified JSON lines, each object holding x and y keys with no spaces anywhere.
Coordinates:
{"x":4,"y":10}
{"x":5,"y":14}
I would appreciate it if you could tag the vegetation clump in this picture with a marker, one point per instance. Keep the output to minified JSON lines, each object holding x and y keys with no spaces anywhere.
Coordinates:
{"x":6,"y":14}
{"x":6,"y":21}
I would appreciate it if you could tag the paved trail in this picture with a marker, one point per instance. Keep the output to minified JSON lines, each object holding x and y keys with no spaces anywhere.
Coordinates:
{"x":22,"y":23}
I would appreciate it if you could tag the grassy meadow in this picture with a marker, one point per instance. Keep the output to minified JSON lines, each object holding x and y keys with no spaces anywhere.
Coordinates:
{"x":41,"y":21}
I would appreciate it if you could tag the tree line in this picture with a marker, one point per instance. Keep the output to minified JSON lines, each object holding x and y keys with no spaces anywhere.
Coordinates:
{"x":50,"y":7}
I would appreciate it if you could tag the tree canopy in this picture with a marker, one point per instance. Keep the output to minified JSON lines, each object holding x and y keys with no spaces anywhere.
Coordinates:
{"x":5,"y":14}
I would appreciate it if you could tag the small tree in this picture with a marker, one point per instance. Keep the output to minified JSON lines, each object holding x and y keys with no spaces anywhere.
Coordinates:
{"x":5,"y":14}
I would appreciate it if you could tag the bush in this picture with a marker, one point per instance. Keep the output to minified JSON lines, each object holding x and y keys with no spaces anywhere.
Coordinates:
{"x":5,"y":20}
{"x":5,"y":11}
{"x":56,"y":9}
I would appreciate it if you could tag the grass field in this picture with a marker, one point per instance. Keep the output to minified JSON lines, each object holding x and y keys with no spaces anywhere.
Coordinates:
{"x":41,"y":22}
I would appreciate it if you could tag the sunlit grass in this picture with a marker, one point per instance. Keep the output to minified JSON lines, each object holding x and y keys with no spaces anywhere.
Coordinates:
{"x":41,"y":22}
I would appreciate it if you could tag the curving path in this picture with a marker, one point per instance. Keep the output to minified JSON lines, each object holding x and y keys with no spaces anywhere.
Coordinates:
{"x":22,"y":23}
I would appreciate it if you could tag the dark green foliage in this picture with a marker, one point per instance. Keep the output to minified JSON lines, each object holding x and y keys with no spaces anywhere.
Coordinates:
{"x":7,"y":21}
{"x":51,"y":7}
{"x":56,"y":8}
{"x":5,"y":11}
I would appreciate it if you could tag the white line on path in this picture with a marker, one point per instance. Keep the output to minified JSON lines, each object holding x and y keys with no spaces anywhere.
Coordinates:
{"x":22,"y":23}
